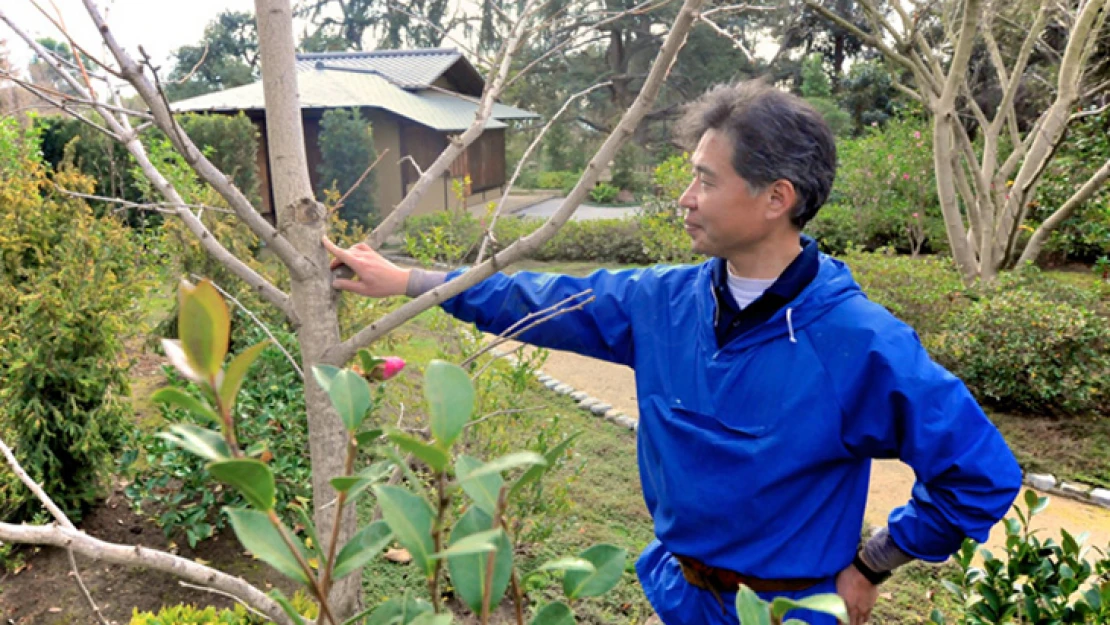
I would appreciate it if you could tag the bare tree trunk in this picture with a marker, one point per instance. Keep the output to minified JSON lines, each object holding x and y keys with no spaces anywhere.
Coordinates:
{"x":304,"y":222}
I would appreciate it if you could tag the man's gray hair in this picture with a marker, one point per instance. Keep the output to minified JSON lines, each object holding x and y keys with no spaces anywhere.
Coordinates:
{"x":774,"y":136}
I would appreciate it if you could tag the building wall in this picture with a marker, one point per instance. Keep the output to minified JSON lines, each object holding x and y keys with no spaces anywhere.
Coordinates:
{"x":392,"y":178}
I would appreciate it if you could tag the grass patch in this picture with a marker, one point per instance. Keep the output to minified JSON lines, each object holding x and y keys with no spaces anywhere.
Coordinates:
{"x":1072,"y":449}
{"x":914,"y":591}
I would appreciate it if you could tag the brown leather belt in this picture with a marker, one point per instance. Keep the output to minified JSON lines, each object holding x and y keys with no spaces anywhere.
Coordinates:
{"x":723,"y":580}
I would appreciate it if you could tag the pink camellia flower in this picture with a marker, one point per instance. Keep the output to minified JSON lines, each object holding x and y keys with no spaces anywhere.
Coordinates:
{"x":917,"y":134}
{"x":915,"y":215}
{"x":391,"y":367}
{"x":905,"y":176}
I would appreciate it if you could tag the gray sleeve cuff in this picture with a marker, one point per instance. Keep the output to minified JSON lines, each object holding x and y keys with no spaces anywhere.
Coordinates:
{"x":421,"y":281}
{"x":881,"y":554}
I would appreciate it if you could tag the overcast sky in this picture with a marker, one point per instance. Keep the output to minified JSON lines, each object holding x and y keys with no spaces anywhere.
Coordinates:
{"x":159,"y":26}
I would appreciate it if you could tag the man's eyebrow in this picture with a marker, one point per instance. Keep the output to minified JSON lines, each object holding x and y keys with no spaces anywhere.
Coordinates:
{"x":705,"y":171}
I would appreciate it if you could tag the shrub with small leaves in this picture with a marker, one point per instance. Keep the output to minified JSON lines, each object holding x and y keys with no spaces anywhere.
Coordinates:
{"x":68,"y":283}
{"x":1020,"y":351}
{"x":238,"y":615}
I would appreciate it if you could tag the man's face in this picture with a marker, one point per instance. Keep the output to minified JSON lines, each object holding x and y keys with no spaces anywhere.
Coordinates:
{"x":723,"y":216}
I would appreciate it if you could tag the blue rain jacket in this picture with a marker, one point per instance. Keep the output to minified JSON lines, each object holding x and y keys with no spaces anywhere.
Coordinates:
{"x":756,"y":457}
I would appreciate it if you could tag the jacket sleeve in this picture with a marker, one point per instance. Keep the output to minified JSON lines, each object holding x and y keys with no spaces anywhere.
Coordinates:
{"x":902,"y":404}
{"x":600,"y":329}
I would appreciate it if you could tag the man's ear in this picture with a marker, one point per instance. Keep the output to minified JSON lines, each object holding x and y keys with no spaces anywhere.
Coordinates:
{"x":781,"y":198}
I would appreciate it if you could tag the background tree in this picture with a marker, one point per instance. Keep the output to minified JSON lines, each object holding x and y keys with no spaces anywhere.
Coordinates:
{"x":346,"y":145}
{"x":225,"y":57}
{"x":986,"y":178}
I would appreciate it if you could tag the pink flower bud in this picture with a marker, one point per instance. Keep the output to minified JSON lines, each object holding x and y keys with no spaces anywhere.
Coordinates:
{"x":917,"y":134}
{"x":391,"y":367}
{"x":915,"y":215}
{"x":905,"y":176}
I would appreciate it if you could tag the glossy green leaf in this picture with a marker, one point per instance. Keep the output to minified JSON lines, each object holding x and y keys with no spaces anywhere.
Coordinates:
{"x":259,"y":536}
{"x":827,"y":603}
{"x":362,"y":548}
{"x":287,"y":606}
{"x":557,"y":613}
{"x":354,"y":485}
{"x":568,"y":564}
{"x":369,"y":437}
{"x":430,"y":618}
{"x":434,"y":457}
{"x":450,"y":396}
{"x":468,"y":571}
{"x":236,"y":371}
{"x":200,"y":441}
{"x":750,"y":609}
{"x":203,"y":326}
{"x":483,"y":490}
{"x":178,"y":398}
{"x":395,"y":611}
{"x":507,"y":462}
{"x":368,"y":361}
{"x":176,"y":355}
{"x":608,"y":561}
{"x":348,"y":391}
{"x":411,"y":518}
{"x":536,"y":472}
{"x":480,"y":543}
{"x":250,"y":477}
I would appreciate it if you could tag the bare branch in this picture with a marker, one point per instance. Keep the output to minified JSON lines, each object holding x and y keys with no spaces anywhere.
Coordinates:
{"x":458,"y":144}
{"x":184,"y":79}
{"x":415,"y":166}
{"x":84,"y":589}
{"x":446,"y":35}
{"x":1089,"y":112}
{"x":646,"y":6}
{"x":737,"y":8}
{"x":524,"y":159}
{"x":121,"y":131}
{"x":877,"y":42}
{"x":298,"y":265}
{"x":258,"y":322}
{"x":534,"y":319}
{"x":59,"y":517}
{"x":526,"y":245}
{"x":1040,"y":236}
{"x":136,"y":556}
{"x":739,"y":45}
{"x":160,"y":207}
{"x":359,"y":181}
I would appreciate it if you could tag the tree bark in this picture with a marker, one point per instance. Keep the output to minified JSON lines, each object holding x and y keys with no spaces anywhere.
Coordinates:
{"x":304,"y":221}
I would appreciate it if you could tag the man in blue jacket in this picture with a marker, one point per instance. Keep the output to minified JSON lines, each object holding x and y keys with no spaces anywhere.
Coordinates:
{"x":766,"y":382}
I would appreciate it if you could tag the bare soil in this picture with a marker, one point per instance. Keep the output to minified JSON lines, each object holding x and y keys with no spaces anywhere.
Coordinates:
{"x":44,"y":591}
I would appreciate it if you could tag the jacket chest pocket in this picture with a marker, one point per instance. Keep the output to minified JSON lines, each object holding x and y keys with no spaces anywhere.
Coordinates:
{"x":737,"y":420}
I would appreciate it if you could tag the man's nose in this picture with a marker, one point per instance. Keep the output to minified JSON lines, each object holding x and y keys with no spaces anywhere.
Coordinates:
{"x":686,"y":200}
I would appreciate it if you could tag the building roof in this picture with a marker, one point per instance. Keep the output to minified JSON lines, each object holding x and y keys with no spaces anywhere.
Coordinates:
{"x":398,"y":81}
{"x":409,"y":69}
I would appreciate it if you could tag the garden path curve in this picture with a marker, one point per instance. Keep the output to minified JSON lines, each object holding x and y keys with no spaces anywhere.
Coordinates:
{"x":891,"y":480}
